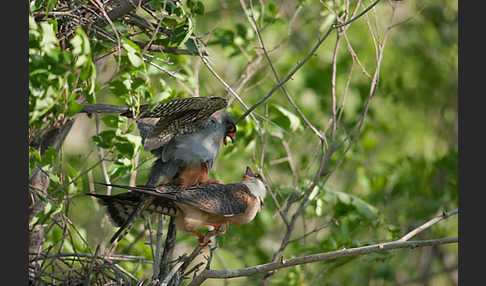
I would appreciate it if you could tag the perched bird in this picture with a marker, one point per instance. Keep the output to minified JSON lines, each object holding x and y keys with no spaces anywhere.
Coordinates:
{"x":217,"y":205}
{"x":185,"y":135}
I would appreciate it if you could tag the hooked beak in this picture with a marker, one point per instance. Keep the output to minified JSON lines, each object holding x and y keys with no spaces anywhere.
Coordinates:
{"x":231,"y":136}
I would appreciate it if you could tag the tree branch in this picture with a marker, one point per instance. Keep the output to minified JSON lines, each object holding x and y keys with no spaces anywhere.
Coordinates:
{"x":264,"y":268}
{"x":428,"y":224}
{"x":299,"y":65}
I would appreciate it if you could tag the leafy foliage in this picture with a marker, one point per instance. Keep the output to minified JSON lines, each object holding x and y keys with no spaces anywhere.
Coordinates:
{"x":400,"y":172}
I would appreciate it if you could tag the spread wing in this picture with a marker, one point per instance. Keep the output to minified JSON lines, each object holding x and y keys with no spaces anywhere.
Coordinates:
{"x":226,"y":200}
{"x":176,"y":117}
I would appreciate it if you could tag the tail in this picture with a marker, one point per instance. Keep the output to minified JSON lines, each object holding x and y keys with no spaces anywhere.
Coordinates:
{"x":162,"y":191}
{"x":119,"y":207}
{"x":106,"y":108}
{"x":122,"y":206}
{"x":123,"y":110}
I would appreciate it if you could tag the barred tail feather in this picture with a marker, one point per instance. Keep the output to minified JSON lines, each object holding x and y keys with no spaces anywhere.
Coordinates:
{"x":120,"y":207}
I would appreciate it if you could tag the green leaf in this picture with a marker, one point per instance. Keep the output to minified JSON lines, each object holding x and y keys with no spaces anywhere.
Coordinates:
{"x":105,"y":139}
{"x":191,"y":47}
{"x":294,"y":121}
{"x":133,"y":52}
{"x":74,"y":108}
{"x":49,"y":5}
{"x":346,"y":203}
{"x":50,"y":154}
{"x":111,"y":120}
{"x":49,"y":43}
{"x":198,"y":8}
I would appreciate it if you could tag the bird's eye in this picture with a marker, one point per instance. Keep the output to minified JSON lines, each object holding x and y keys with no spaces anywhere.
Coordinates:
{"x":230,"y":128}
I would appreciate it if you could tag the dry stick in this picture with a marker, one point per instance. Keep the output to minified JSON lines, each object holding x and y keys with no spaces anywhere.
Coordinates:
{"x":346,"y":92}
{"x":300,"y":64}
{"x":133,"y":175}
{"x":171,"y":274}
{"x":149,"y":226}
{"x":357,"y":128}
{"x":317,"y":229}
{"x":158,"y":248}
{"x":101,"y":152}
{"x":99,"y":5}
{"x":174,"y":75}
{"x":116,"y":257}
{"x":219,"y":274}
{"x":291,"y":163}
{"x":187,"y":260}
{"x":168,"y":248}
{"x":208,"y":65}
{"x":428,"y":224}
{"x":250,"y":71}
{"x":92,"y":189}
{"x":87,"y":282}
{"x":197,"y":68}
{"x":117,"y":267}
{"x":262,"y":157}
{"x":355,"y":56}
{"x":155,"y":33}
{"x":374,"y":82}
{"x":185,"y":87}
{"x":333,"y":88}
{"x":292,"y":20}
{"x":323,"y":165}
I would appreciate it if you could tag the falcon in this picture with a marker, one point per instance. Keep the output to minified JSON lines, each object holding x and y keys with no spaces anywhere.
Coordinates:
{"x":217,"y":205}
{"x":184,"y":134}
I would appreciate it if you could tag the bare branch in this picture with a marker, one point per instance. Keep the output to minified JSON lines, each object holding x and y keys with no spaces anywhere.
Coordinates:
{"x":265,"y":268}
{"x":428,"y":224}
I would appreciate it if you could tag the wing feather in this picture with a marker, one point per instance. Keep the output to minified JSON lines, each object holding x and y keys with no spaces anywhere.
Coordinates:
{"x":227,"y":200}
{"x":177,"y":117}
{"x":221,"y":199}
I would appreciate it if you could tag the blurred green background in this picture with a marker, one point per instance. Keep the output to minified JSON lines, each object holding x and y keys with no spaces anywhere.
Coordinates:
{"x":401,"y":172}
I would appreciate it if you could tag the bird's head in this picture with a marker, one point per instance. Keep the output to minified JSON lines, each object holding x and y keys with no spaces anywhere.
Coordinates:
{"x":229,"y":125}
{"x":255,"y":183}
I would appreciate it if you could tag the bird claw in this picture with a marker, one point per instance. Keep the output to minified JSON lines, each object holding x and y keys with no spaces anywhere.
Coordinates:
{"x":221,"y":229}
{"x":210,"y":181}
{"x":204,"y":244}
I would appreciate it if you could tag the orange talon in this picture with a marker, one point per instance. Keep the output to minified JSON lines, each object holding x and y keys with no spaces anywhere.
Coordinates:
{"x":222,"y":228}
{"x":210,"y":181}
{"x":200,"y":237}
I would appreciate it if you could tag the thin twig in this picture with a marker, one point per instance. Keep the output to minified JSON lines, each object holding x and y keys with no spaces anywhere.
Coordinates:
{"x":252,"y":21}
{"x":300,"y":64}
{"x":428,"y":224}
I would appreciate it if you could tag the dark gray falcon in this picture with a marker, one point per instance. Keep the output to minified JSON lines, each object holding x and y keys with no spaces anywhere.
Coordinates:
{"x":185,"y":135}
